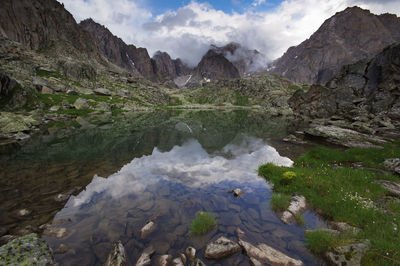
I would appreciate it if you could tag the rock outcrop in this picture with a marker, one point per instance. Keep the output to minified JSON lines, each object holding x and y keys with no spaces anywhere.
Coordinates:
{"x":345,"y":38}
{"x":366,"y":94}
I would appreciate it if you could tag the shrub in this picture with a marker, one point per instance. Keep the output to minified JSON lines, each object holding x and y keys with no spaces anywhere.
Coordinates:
{"x":287,"y":177}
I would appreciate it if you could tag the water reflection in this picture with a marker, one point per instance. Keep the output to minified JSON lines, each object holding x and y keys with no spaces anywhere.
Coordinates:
{"x":188,"y":164}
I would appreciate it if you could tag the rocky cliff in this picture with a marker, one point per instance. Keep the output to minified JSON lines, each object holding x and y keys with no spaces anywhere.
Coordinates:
{"x":46,"y":26}
{"x":214,"y":65}
{"x":366,"y":94}
{"x":118,"y":52}
{"x":345,"y":38}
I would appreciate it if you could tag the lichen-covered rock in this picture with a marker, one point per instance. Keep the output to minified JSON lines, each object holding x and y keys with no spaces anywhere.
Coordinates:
{"x":297,"y":206}
{"x":392,"y":187}
{"x":221,"y":248}
{"x":102,"y":91}
{"x":263,"y":254}
{"x":117,"y":256}
{"x":26,"y":250}
{"x":392,"y":164}
{"x":350,"y":255}
{"x":11,"y":123}
{"x":345,"y":137}
{"x":80,"y":104}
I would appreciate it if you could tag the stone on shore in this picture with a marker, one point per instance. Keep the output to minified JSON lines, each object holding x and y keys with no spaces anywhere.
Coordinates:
{"x":26,"y":250}
{"x":221,"y":248}
{"x":297,"y":207}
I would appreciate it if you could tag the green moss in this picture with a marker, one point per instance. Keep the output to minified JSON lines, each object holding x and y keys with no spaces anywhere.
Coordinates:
{"x":280,"y":202}
{"x":175,"y":101}
{"x":328,"y":181}
{"x":202,"y":224}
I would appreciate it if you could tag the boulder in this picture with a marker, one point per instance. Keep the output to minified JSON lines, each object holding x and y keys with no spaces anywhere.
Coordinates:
{"x":350,"y":255}
{"x":392,"y":164}
{"x":103,"y":106}
{"x":345,"y":137}
{"x":263,"y":254}
{"x":81,"y":103}
{"x":26,"y":250}
{"x":102,"y":91}
{"x":145,"y":258}
{"x":117,"y":256}
{"x":297,"y":207}
{"x":46,"y":90}
{"x":221,"y":248}
{"x":392,"y":187}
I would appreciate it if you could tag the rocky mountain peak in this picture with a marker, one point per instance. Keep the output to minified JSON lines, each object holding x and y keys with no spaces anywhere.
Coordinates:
{"x":346,"y":37}
{"x":214,"y":65}
{"x":245,"y":60}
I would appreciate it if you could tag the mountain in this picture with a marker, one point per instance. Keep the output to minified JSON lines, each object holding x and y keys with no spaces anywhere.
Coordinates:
{"x":366,"y":94}
{"x":345,"y":38}
{"x":166,"y":68}
{"x":245,"y":60}
{"x":118,"y":52}
{"x":214,"y":65}
{"x":46,"y":26}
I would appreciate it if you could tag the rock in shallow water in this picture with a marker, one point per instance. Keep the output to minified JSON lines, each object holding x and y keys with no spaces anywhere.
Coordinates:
{"x":147,"y":229}
{"x":297,"y":206}
{"x":117,"y":256}
{"x":220,"y":248}
{"x":26,"y":250}
{"x":145,"y":258}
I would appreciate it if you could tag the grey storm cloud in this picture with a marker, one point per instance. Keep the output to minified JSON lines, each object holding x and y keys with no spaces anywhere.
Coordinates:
{"x":178,"y":18}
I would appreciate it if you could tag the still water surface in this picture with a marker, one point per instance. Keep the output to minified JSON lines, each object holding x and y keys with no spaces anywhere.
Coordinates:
{"x":165,"y":165}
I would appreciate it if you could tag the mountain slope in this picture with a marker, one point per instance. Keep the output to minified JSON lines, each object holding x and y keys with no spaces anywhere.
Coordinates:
{"x":45,"y":25}
{"x":118,"y":52}
{"x":347,"y":37}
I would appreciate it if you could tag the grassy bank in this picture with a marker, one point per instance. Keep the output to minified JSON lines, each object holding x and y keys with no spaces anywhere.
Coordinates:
{"x":334,"y":184}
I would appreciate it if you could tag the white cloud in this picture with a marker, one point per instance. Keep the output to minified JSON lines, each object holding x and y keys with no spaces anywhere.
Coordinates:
{"x":188,"y":31}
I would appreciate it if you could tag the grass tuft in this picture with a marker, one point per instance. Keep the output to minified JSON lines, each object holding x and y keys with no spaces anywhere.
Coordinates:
{"x":202,"y":224}
{"x":346,"y":194}
{"x":280,"y":202}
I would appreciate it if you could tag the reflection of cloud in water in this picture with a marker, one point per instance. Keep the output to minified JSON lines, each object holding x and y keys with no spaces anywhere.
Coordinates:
{"x":188,"y":164}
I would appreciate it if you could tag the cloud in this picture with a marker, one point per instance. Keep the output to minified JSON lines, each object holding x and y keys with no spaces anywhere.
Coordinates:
{"x":188,"y":31}
{"x":189,"y":165}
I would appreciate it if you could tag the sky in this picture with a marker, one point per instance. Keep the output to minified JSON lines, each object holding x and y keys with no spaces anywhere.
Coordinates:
{"x":186,"y":28}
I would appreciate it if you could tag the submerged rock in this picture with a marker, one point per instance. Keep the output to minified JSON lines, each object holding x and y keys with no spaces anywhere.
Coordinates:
{"x":221,"y":248}
{"x":61,"y":249}
{"x":24,"y":212}
{"x":190,"y":253}
{"x":145,"y":258}
{"x":164,"y":260}
{"x":348,"y":255}
{"x":55,"y":231}
{"x":26,"y":250}
{"x":147,"y":229}
{"x":197,"y":262}
{"x":117,"y":256}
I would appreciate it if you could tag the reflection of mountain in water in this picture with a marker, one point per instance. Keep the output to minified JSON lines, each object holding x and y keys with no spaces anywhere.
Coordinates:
{"x":188,"y":164}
